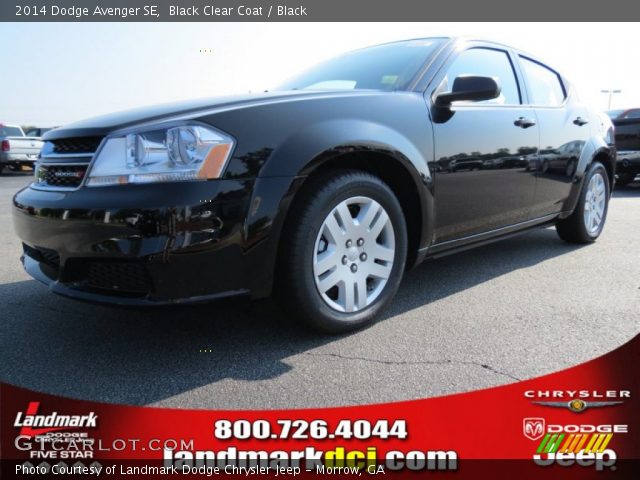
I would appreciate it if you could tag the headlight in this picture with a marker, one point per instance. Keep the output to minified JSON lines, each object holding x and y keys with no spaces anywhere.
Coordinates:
{"x":189,"y":152}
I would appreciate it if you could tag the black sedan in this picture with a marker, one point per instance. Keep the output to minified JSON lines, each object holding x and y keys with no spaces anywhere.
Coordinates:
{"x":323,"y":191}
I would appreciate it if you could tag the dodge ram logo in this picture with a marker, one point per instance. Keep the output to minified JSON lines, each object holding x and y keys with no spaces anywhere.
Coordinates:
{"x":533,"y":428}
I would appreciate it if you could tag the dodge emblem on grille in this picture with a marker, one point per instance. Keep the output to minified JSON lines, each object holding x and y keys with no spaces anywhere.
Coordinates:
{"x":68,"y":174}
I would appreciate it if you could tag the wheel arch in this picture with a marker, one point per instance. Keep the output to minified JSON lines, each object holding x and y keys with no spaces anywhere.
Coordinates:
{"x":397,"y":172}
{"x":605,"y":157}
{"x":370,"y":146}
{"x":595,"y":150}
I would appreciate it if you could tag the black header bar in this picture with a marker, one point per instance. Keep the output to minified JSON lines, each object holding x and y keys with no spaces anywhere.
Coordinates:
{"x":316,"y":10}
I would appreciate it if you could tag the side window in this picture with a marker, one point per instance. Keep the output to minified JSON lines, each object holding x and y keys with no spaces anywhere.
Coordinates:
{"x":544,"y":84}
{"x":487,"y":63}
{"x":633,"y":113}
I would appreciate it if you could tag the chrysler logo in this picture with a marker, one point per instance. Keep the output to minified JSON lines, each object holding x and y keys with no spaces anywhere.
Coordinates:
{"x":577,"y":405}
{"x":533,"y":428}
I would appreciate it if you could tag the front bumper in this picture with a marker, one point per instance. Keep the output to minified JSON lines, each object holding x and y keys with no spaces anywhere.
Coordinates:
{"x":152,"y":244}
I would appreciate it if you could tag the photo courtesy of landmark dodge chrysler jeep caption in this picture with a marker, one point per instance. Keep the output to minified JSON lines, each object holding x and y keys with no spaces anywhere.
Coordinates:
{"x":322,"y":191}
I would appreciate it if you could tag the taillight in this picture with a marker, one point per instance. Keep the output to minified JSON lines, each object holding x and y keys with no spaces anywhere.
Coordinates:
{"x":6,"y":146}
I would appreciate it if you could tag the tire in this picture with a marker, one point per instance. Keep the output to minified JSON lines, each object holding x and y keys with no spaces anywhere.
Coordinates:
{"x":1,"y":168}
{"x":625,"y":178}
{"x":323,"y":234}
{"x":583,"y":226}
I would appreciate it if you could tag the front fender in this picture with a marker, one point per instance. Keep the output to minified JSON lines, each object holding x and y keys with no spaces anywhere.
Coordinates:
{"x":308,"y":148}
{"x":301,"y":152}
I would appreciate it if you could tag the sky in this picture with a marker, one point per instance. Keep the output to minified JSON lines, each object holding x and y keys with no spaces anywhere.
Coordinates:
{"x":55,"y":73}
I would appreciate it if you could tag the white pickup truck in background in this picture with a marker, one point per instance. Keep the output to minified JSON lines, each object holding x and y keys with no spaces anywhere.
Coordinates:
{"x":16,"y":149}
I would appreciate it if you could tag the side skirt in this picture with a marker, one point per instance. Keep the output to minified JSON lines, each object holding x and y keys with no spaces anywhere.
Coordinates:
{"x":460,"y":244}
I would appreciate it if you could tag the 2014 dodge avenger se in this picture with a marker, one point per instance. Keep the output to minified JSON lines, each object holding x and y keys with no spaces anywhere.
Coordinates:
{"x":323,"y":191}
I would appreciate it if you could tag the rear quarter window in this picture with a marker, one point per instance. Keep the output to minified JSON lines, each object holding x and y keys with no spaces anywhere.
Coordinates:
{"x":545,"y":86}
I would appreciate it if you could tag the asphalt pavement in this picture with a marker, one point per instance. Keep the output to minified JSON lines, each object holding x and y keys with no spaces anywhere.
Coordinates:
{"x":509,"y":311}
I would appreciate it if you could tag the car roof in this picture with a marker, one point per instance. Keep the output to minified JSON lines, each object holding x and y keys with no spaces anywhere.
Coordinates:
{"x":462,"y":39}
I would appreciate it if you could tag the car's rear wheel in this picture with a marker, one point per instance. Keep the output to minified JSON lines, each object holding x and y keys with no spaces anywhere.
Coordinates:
{"x":344,"y":251}
{"x":586,"y":222}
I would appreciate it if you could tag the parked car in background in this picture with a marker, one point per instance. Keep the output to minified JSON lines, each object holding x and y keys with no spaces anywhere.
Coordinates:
{"x":323,"y":191}
{"x":561,"y":160}
{"x":465,"y":164}
{"x":16,"y":149}
{"x":36,"y":132}
{"x":627,"y":125}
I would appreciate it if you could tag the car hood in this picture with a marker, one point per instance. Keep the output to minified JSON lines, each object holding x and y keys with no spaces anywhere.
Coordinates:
{"x":105,"y":124}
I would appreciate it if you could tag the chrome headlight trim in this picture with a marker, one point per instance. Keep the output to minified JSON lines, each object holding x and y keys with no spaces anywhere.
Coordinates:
{"x":161,"y":152}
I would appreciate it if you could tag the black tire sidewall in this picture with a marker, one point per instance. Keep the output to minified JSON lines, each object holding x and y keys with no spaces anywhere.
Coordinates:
{"x":316,"y":311}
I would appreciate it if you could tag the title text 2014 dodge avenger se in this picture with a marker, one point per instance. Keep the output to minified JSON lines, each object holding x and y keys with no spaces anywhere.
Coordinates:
{"x":323,"y":191}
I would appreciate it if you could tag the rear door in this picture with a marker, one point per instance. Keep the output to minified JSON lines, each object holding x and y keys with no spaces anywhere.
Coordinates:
{"x":483,"y":180}
{"x":564,"y":131}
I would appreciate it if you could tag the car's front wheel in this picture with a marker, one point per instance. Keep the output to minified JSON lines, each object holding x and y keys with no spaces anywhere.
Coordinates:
{"x":586,"y":222}
{"x":344,"y":251}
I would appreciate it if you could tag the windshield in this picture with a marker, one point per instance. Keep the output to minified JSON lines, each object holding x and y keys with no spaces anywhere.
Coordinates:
{"x":614,"y":113}
{"x":6,"y":131}
{"x":385,"y":67}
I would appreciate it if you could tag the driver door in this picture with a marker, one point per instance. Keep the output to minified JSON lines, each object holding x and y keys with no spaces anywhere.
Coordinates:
{"x":483,"y":179}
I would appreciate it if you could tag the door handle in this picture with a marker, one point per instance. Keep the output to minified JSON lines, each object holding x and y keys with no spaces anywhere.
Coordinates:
{"x":580,"y":121}
{"x":524,"y":122}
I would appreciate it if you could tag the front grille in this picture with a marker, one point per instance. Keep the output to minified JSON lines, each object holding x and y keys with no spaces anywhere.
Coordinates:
{"x":69,"y":176}
{"x":64,"y":162}
{"x":125,"y":277}
{"x":76,"y":145}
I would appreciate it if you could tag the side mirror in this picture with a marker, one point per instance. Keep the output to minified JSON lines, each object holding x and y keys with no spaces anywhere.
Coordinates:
{"x":470,"y":88}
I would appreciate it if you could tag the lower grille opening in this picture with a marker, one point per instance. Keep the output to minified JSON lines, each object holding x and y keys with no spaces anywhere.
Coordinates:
{"x":118,"y":277}
{"x":125,"y":278}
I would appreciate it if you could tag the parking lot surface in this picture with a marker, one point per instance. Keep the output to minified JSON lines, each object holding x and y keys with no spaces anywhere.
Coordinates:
{"x":505,"y":312}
